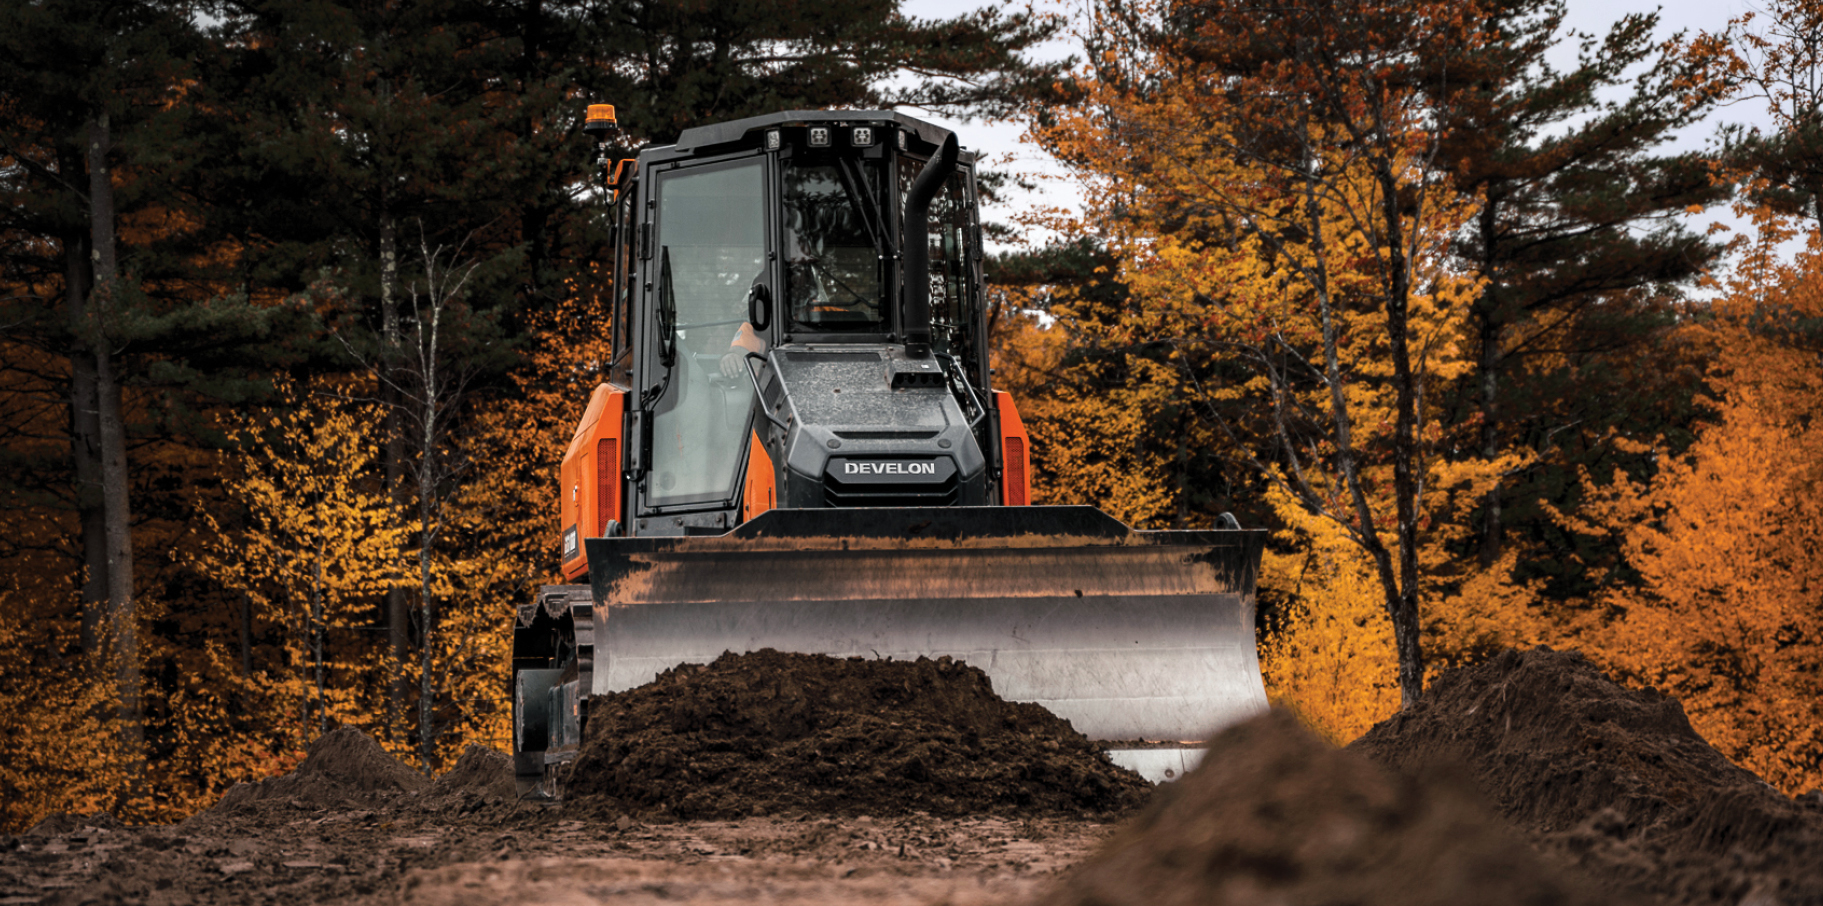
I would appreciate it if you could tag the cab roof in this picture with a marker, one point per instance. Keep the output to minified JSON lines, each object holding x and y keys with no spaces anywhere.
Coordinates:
{"x":698,"y":137}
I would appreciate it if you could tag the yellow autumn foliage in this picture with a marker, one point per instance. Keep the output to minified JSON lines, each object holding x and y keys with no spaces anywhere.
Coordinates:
{"x":57,"y":742}
{"x":1330,"y":656}
{"x":503,"y":521}
{"x":322,"y":543}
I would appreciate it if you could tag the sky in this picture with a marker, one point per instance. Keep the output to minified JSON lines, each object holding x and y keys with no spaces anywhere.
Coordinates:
{"x":1001,"y":143}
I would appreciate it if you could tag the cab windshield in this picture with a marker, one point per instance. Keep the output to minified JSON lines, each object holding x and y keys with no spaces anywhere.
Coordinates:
{"x":834,"y":244}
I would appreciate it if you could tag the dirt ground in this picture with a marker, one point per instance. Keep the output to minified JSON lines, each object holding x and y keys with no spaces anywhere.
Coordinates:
{"x":467,"y":839}
{"x":506,"y":854}
{"x":1529,"y":779}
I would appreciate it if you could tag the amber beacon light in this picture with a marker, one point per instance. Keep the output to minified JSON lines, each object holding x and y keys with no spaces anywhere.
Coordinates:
{"x":599,"y":120}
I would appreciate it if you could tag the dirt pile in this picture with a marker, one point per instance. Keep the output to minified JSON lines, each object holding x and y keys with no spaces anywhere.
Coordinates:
{"x":478,"y":787}
{"x":66,"y":823}
{"x":480,"y":771}
{"x":1612,"y":780}
{"x":766,"y":732}
{"x":344,"y":768}
{"x":1276,"y":815}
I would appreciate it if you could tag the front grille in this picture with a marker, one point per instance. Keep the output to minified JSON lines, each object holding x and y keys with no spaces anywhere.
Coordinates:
{"x":945,"y":494}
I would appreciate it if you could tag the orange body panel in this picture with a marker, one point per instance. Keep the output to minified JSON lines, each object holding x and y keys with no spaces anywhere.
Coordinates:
{"x":761,"y":492}
{"x":1015,"y":452}
{"x":591,"y":476}
{"x":623,"y":171}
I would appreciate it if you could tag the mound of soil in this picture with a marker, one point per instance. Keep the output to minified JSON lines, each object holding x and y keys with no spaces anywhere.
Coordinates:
{"x":1276,"y":815}
{"x":67,"y":823}
{"x":344,"y":768}
{"x":1612,"y":780}
{"x":765,"y":732}
{"x":479,"y":787}
{"x":480,"y":771}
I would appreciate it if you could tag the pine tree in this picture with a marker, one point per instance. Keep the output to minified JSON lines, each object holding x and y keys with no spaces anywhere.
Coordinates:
{"x":80,"y":83}
{"x":1579,"y":250}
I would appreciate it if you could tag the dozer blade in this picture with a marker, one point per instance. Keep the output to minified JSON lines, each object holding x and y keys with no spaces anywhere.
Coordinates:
{"x":1129,"y":635}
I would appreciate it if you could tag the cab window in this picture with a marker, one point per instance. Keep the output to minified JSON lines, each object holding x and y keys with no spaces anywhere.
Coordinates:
{"x":834,"y":235}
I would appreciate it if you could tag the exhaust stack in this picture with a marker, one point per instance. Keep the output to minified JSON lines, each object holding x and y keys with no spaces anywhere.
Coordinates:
{"x":917,"y":246}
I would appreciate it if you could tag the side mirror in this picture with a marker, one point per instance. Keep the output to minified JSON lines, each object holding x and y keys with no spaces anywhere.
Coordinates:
{"x":759,"y":307}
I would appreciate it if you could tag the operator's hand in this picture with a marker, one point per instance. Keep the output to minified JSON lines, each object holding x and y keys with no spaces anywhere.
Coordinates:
{"x":733,"y":364}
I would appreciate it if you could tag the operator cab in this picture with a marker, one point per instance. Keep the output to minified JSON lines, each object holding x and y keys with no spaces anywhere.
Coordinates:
{"x":770,"y":342}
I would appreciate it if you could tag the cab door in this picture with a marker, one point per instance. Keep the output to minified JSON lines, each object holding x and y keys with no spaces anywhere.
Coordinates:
{"x":710,"y":245}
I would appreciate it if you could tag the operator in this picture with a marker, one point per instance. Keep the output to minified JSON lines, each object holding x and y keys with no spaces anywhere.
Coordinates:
{"x":746,"y":340}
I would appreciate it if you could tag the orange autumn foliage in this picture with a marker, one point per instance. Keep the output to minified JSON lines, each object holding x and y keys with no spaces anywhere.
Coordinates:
{"x":1297,"y":318}
{"x":1727,"y":614}
{"x":1110,"y":433}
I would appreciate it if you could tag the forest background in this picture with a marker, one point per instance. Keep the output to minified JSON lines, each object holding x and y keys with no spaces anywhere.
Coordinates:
{"x":299,"y":302}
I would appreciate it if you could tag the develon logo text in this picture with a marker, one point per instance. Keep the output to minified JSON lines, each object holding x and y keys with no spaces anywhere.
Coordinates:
{"x":889,"y":468}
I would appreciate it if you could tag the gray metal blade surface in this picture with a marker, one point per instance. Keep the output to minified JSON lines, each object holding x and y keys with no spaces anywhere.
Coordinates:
{"x":1142,"y":635}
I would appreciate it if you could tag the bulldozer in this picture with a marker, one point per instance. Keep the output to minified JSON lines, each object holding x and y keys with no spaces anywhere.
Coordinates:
{"x":799,"y":446}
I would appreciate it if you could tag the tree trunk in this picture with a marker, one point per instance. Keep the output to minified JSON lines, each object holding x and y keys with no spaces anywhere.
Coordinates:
{"x":246,"y":635}
{"x":1487,"y":316}
{"x":1407,"y":463}
{"x":85,"y":426}
{"x":1816,"y":210}
{"x":427,"y":514}
{"x":536,"y":227}
{"x":427,"y":689}
{"x":535,"y":222}
{"x":398,"y":611}
{"x":1401,"y":602}
{"x":122,"y":618}
{"x":317,"y":617}
{"x":1181,"y":519}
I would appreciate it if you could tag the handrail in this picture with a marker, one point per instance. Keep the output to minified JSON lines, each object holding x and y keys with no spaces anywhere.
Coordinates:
{"x":759,"y":396}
